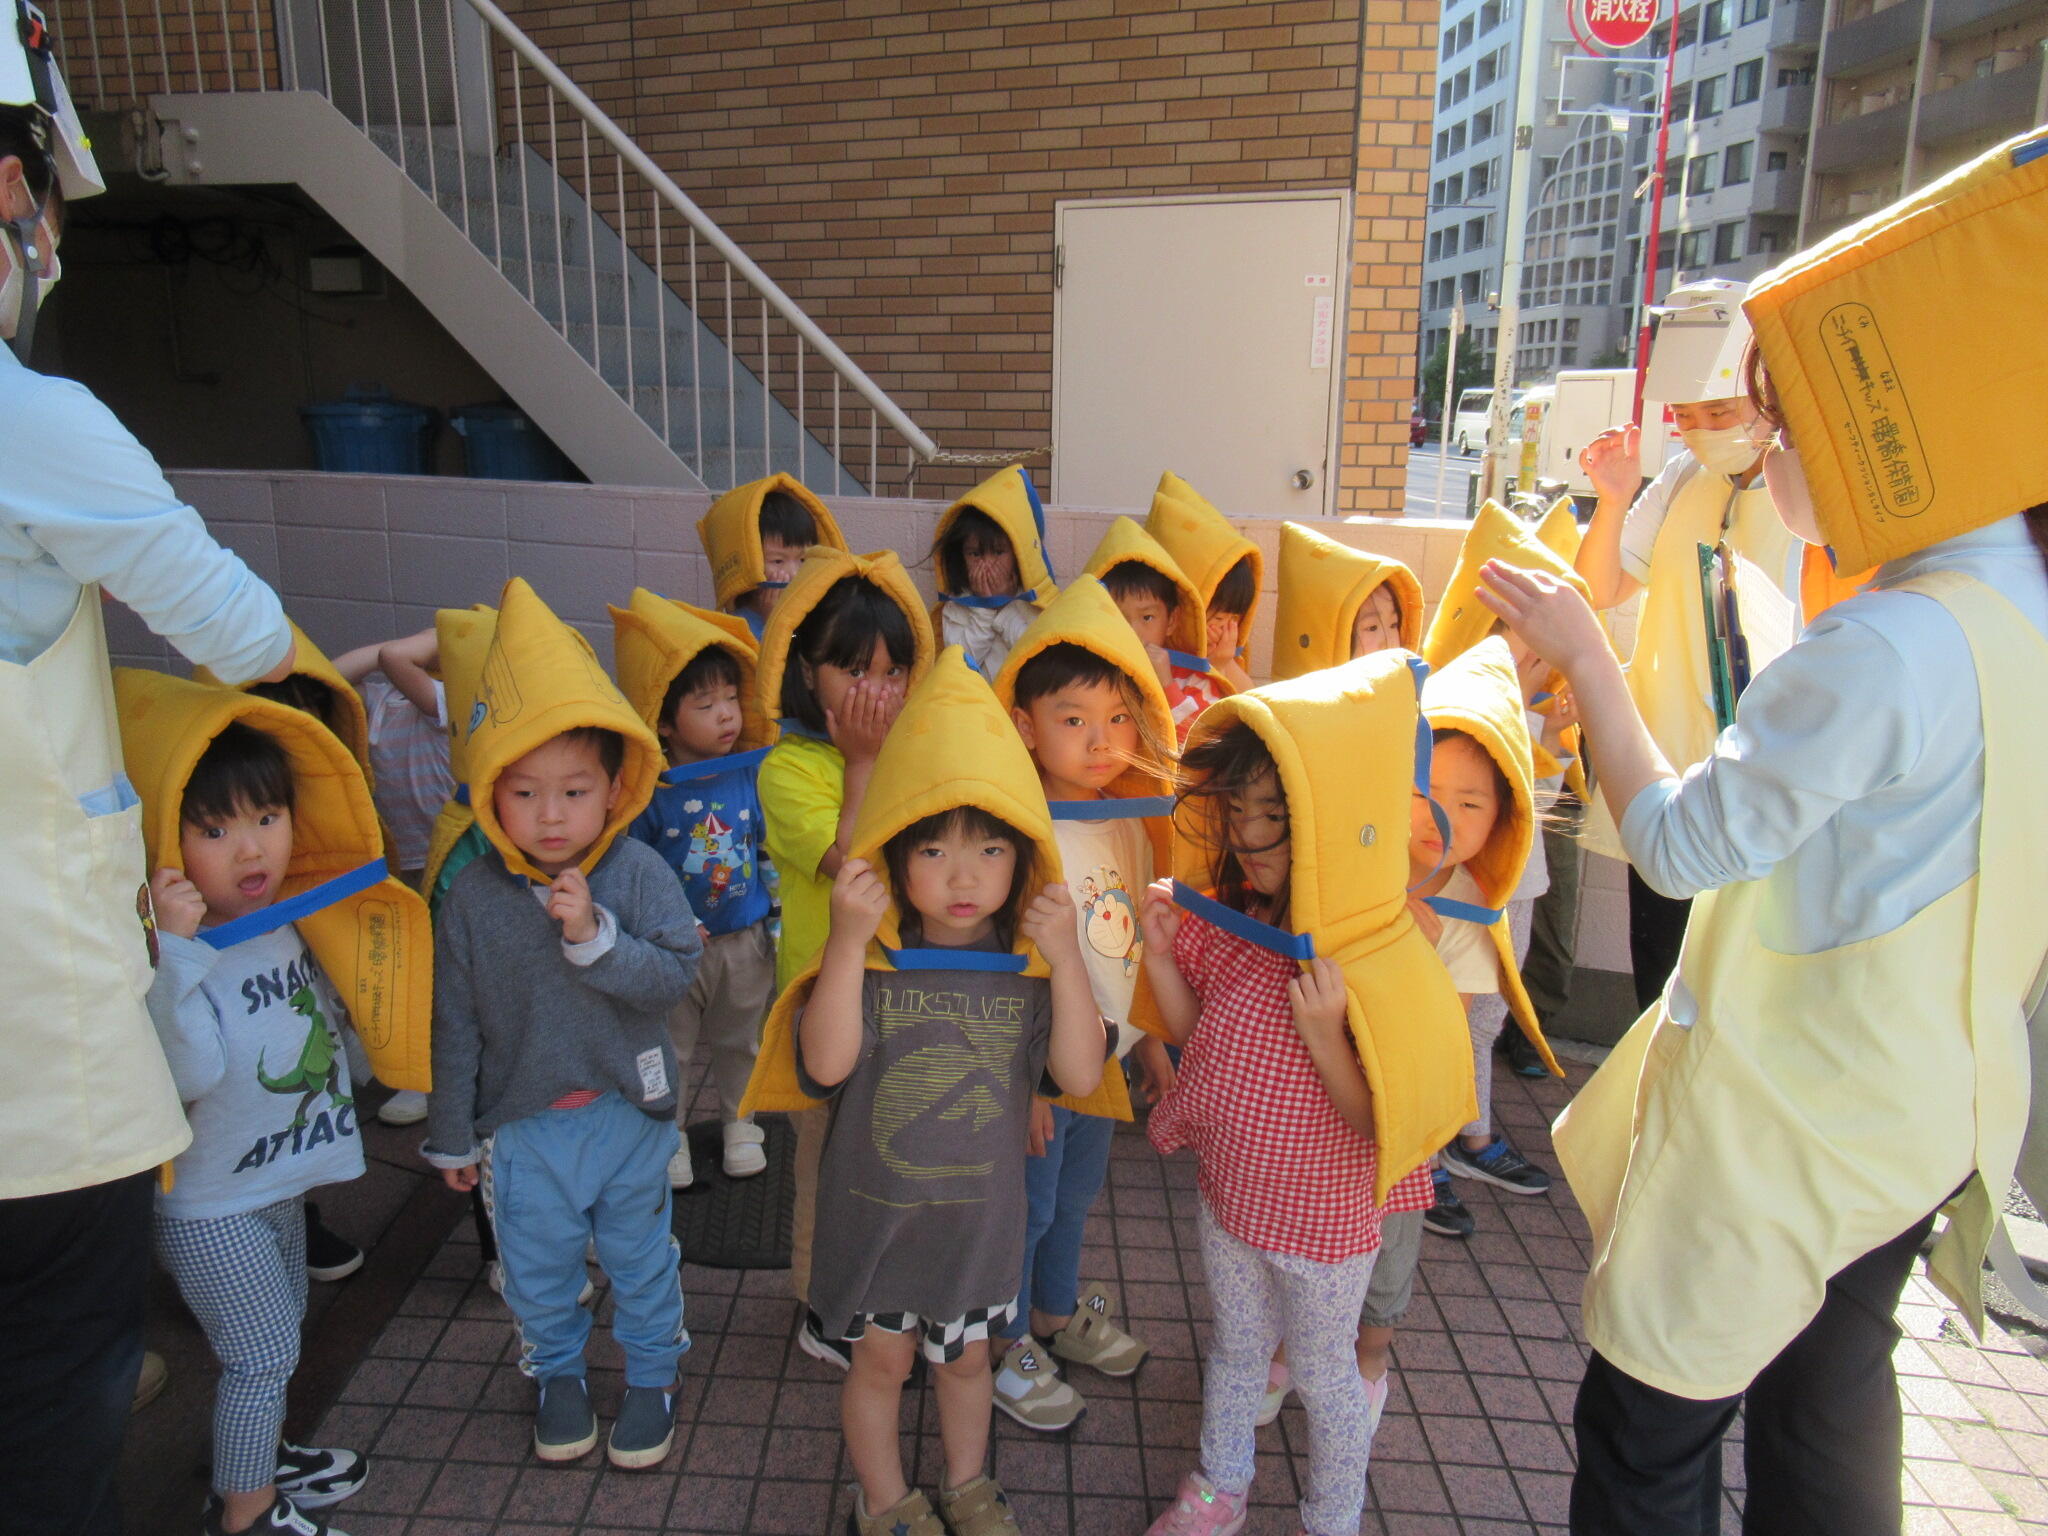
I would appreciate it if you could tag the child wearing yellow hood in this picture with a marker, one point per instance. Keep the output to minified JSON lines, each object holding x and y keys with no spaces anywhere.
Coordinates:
{"x":994,"y":577}
{"x":755,"y":537}
{"x":929,"y":1053}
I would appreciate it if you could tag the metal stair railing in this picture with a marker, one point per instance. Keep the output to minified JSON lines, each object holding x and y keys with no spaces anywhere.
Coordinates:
{"x":400,"y":72}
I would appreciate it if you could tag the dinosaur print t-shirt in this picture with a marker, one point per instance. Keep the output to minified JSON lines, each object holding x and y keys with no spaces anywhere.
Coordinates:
{"x":921,"y":1186}
{"x":255,"y":1037}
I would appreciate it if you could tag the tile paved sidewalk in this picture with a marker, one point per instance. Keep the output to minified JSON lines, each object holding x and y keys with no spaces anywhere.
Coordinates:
{"x":1476,"y":1439}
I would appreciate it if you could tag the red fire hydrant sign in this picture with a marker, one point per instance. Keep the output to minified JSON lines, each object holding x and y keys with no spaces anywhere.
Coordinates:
{"x":1609,"y":26}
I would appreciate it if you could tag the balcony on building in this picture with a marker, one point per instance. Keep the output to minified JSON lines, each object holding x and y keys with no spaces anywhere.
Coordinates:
{"x":1795,"y":25}
{"x":1952,"y":18}
{"x":1996,"y":105}
{"x":1855,"y":141}
{"x":1776,"y":192}
{"x":1872,"y":42}
{"x":1787,"y":109}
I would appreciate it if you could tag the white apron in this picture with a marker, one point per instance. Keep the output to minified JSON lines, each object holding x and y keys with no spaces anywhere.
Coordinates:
{"x":85,"y":1094}
{"x":1774,"y":1117}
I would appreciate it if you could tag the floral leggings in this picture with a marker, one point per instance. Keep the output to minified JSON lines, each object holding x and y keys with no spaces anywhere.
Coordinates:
{"x":1257,"y":1299}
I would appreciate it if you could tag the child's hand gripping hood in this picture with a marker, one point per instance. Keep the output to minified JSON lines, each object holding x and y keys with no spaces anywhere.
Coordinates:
{"x":1905,"y":352}
{"x":953,"y":745}
{"x":374,"y":942}
{"x":731,"y":534}
{"x":1323,"y":585}
{"x":540,"y":678}
{"x":463,"y":636}
{"x":1346,"y":741}
{"x":308,"y":660}
{"x":1202,"y":542}
{"x":1189,"y":629}
{"x":1009,"y":499}
{"x":654,"y":638}
{"x":1479,"y":693}
{"x":822,"y":570}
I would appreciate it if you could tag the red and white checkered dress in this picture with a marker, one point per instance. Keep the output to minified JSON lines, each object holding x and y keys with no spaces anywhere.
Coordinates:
{"x":1188,"y":693}
{"x":1276,"y":1162}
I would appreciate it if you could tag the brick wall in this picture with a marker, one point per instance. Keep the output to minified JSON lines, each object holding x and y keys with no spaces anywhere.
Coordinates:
{"x":894,"y":165}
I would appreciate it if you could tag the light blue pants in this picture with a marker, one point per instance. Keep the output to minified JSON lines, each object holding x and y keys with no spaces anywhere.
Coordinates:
{"x":561,"y":1178}
{"x":1059,"y":1188}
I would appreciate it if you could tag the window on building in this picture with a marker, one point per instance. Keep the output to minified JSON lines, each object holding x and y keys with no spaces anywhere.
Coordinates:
{"x":1471,"y":283}
{"x":1490,"y":15}
{"x":1464,"y":83}
{"x":1693,"y":248}
{"x":1755,"y":10}
{"x":1699,"y":175}
{"x":1727,"y":242}
{"x":1793,"y":74}
{"x":1451,"y":241}
{"x":1706,"y":96}
{"x":1746,"y":83}
{"x":1458,"y":140}
{"x":1571,"y":329}
{"x":1484,"y":123}
{"x":1475,"y":231}
{"x":1443,"y":95}
{"x":1765,"y":242}
{"x":1735,"y":163}
{"x":1436,"y":244}
{"x":1777,"y":160}
{"x":1454,"y":189}
{"x":1681,"y":101}
{"x":1713,"y":21}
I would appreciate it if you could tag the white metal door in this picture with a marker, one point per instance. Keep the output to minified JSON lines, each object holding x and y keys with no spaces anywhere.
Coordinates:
{"x":1201,"y":335}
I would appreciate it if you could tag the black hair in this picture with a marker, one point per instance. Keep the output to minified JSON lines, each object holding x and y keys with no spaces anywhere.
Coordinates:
{"x":242,"y":769}
{"x":609,"y":745}
{"x":712,"y":667}
{"x":1234,"y":593}
{"x":787,"y":520}
{"x":24,"y":135}
{"x":977,"y":825}
{"x":951,"y":553}
{"x":1501,"y":788}
{"x":841,"y":632}
{"x":1066,"y":665}
{"x":1213,"y":770}
{"x":1134,"y":577}
{"x":306,"y":694}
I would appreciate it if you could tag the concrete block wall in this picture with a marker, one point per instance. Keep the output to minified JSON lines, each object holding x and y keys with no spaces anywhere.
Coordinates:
{"x":362,"y":558}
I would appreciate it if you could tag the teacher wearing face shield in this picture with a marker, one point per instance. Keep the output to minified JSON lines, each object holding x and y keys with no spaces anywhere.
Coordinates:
{"x":87,"y":1107}
{"x":1713,"y":491}
{"x":1843,"y":1051}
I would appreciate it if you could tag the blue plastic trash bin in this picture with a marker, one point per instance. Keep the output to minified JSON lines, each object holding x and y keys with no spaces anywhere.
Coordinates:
{"x":366,"y":432}
{"x":500,"y":442}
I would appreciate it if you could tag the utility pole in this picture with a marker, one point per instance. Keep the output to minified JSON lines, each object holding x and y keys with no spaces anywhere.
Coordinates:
{"x":1521,"y":177}
{"x":1443,"y":452}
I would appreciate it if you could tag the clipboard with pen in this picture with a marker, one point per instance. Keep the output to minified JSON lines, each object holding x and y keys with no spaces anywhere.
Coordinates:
{"x":1728,"y":654}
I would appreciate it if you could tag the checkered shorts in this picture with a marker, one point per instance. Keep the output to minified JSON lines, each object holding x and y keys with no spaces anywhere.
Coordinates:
{"x":939,"y":1342}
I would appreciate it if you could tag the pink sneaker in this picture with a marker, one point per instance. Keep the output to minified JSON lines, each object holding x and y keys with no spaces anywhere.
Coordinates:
{"x":1376,"y":1402}
{"x":1200,"y":1508}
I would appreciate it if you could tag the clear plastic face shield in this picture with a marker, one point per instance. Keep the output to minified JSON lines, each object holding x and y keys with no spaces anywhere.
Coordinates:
{"x":29,"y":79}
{"x":29,"y":249}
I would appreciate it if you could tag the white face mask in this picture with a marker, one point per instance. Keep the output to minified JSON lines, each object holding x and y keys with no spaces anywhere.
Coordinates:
{"x":1727,"y":451}
{"x":1790,"y":494}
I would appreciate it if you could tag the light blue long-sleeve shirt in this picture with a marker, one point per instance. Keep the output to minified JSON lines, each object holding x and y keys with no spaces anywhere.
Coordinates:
{"x":82,"y":501}
{"x":1855,"y":766}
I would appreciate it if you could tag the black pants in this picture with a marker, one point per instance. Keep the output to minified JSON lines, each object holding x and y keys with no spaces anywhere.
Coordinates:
{"x":1822,"y":1444}
{"x":1554,"y":924}
{"x":1656,"y":929}
{"x":74,"y":1268}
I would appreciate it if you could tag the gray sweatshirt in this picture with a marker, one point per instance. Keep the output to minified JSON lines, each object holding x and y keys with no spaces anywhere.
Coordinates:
{"x":521,"y":1017}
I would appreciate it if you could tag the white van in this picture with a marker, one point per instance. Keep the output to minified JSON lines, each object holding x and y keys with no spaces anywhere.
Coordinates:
{"x":1588,"y":401}
{"x":1468,"y":423}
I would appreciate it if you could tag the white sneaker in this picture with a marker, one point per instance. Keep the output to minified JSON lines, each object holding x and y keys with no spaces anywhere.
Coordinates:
{"x":496,"y":1277}
{"x":680,"y":1174}
{"x":408,"y":1106}
{"x":1376,"y":1402}
{"x":743,"y":1154}
{"x":1278,"y":1385}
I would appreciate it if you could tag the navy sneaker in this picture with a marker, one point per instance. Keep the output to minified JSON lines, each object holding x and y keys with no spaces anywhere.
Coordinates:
{"x":1448,"y":1217}
{"x":1497,"y":1164}
{"x":564,"y":1427}
{"x":644,"y":1430}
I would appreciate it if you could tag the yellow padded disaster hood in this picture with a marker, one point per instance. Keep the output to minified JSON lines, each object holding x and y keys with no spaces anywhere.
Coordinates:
{"x":1906,"y":354}
{"x":374,"y":941}
{"x":352,"y":724}
{"x":823,"y":569}
{"x":1188,"y":630}
{"x":1010,"y":501}
{"x":1461,"y":620}
{"x":1348,"y":807}
{"x":1559,"y":532}
{"x":1323,"y":584}
{"x":731,"y":534}
{"x":1202,"y":542}
{"x":540,"y":678}
{"x":463,"y":636}
{"x":953,"y":745}
{"x":1479,"y":693}
{"x":654,"y":638}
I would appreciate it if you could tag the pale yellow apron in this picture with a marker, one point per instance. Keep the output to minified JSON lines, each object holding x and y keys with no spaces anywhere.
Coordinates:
{"x":85,"y":1093}
{"x":1776,"y":1116}
{"x":1667,"y":672}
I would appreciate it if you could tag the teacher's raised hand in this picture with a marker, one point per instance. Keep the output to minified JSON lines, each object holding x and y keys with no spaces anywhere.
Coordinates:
{"x":1548,"y":614}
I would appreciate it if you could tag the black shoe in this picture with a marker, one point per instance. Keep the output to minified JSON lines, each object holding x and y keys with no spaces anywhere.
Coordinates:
{"x":811,"y":1339}
{"x":1448,"y":1217}
{"x":313,"y":1478}
{"x":1522,"y":1058}
{"x":1497,"y":1164}
{"x":283,"y":1518}
{"x":329,"y":1255}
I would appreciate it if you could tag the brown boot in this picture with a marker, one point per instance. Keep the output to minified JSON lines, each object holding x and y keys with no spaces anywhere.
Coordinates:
{"x":978,"y":1508}
{"x":909,"y":1516}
